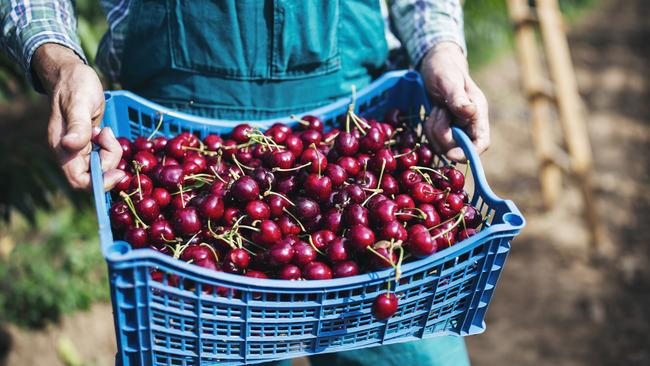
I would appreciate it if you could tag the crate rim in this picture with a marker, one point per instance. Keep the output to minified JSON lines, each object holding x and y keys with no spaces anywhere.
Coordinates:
{"x":119,"y":254}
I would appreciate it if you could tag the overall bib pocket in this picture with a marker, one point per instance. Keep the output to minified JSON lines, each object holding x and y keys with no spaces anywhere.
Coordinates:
{"x":254,"y":39}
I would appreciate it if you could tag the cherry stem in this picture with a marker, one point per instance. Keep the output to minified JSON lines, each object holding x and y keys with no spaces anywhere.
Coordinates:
{"x":276,"y":169}
{"x":180,"y":189}
{"x":311,"y":242}
{"x":160,"y":121}
{"x":281,"y":196}
{"x":129,"y":202}
{"x":302,"y":227}
{"x":383,"y":257}
{"x":374,"y":193}
{"x":301,"y":121}
{"x":381,"y":174}
{"x":241,"y":166}
{"x":137,"y":167}
{"x":435,"y":171}
{"x":202,"y":150}
{"x":216,"y":257}
{"x":445,"y":232}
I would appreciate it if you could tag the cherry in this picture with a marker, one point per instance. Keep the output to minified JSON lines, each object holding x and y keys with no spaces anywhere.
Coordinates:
{"x":245,"y":189}
{"x":178,"y":200}
{"x":317,"y":271}
{"x":213,"y":142}
{"x":375,"y":200}
{"x":290,"y":272}
{"x":345,"y":269}
{"x":356,"y":193}
{"x":145,"y":184}
{"x":406,"y":139}
{"x":422,"y":192}
{"x":444,"y":238}
{"x":239,"y":257}
{"x":288,"y":225}
{"x":404,"y":201}
{"x":306,"y":208}
{"x":350,"y":165}
{"x":384,"y":211}
{"x":466,"y":233}
{"x":281,"y":254}
{"x":360,"y":237}
{"x":265,"y":178}
{"x":310,"y":137}
{"x":314,"y":157}
{"x":196,"y":159}
{"x":384,"y":306}
{"x":336,"y":174}
{"x":455,"y":179}
{"x":385,"y":259}
{"x":147,"y":209}
{"x":431,"y":218}
{"x":127,"y":150}
{"x":278,"y":134}
{"x":282,"y":159}
{"x":120,"y":216}
{"x":393,"y":230}
{"x":286,"y":184}
{"x":346,"y":144}
{"x":322,"y":238}
{"x":124,"y":184}
{"x":355,"y":214}
{"x":389,"y":184}
{"x":197,"y":254}
{"x":407,"y":159}
{"x":417,"y":228}
{"x":145,"y":160}
{"x":268,"y":234}
{"x":160,"y":232}
{"x":421,"y":245}
{"x":449,"y":206}
{"x":314,"y":123}
{"x":409,"y":178}
{"x":425,"y":156}
{"x":176,"y":147}
{"x":212,"y":207}
{"x":471,"y":217}
{"x":143,"y":144}
{"x":373,"y":140}
{"x":303,"y":253}
{"x":171,"y":176}
{"x":241,"y":133}
{"x":162,"y":197}
{"x":137,"y":237}
{"x":186,"y":221}
{"x":333,"y":220}
{"x":294,"y":144}
{"x":381,"y":157}
{"x":318,"y":186}
{"x":337,"y":250}
{"x":258,"y":210}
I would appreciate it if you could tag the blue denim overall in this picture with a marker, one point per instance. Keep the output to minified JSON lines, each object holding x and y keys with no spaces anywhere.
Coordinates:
{"x":259,"y":59}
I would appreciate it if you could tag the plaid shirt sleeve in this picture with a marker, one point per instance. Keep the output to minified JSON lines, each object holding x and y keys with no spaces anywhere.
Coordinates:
{"x":421,"y":24}
{"x":28,"y":24}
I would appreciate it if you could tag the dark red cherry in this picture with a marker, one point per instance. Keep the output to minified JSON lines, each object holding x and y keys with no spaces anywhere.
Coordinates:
{"x":241,"y":133}
{"x":147,"y":209}
{"x":393,"y":230}
{"x":127,"y":149}
{"x":337,"y":250}
{"x":161,"y":232}
{"x":120,"y":216}
{"x":318,"y":186}
{"x":137,"y":237}
{"x":355,"y":214}
{"x":245,"y":189}
{"x":143,"y":144}
{"x":290,"y":272}
{"x":212,"y":207}
{"x":162,"y":197}
{"x":345,"y":269}
{"x":314,"y":157}
{"x":421,"y":245}
{"x":281,"y":254}
{"x":317,"y":271}
{"x":350,"y":165}
{"x":145,"y":160}
{"x":385,"y":306}
{"x":306,"y":208}
{"x":294,"y":144}
{"x":187,"y":221}
{"x":314,"y":123}
{"x":346,"y":144}
{"x":337,"y":174}
{"x":303,"y":253}
{"x":372,"y":141}
{"x":170,"y":177}
{"x":360,"y":237}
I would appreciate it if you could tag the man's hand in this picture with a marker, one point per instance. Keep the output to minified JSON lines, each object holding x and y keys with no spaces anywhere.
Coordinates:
{"x":77,"y":106}
{"x":460,"y":101}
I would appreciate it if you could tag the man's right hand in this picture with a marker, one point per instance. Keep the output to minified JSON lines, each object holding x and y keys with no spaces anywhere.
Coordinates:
{"x":77,"y":107}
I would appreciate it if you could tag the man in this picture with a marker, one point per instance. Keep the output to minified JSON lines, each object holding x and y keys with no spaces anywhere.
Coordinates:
{"x":245,"y":60}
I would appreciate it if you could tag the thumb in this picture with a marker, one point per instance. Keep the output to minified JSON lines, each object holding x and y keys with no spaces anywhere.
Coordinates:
{"x":78,"y":128}
{"x":457,"y":100}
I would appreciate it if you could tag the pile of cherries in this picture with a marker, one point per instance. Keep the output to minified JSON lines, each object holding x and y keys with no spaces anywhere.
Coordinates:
{"x":293,"y":204}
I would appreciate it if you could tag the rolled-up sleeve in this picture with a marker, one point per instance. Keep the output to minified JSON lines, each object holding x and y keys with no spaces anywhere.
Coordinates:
{"x":421,"y":24}
{"x":28,"y":24}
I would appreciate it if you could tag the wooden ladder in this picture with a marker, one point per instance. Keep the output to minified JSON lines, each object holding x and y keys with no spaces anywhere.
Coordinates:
{"x":560,"y":92}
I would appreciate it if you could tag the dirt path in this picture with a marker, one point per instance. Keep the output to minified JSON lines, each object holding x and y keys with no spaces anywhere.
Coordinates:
{"x":551,"y":307}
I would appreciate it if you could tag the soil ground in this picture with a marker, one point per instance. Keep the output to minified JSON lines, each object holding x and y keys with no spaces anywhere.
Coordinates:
{"x":553,"y":306}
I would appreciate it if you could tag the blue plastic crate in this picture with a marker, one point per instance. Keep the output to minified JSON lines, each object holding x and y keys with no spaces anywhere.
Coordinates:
{"x":184,"y":321}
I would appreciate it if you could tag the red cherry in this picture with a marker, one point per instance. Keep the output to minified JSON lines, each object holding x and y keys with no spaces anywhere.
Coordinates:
{"x":283,"y":159}
{"x":145,"y":184}
{"x":422,"y":192}
{"x":332,"y":220}
{"x":294,"y":144}
{"x":384,"y":211}
{"x":187,"y":221}
{"x":245,"y":189}
{"x":318,"y":186}
{"x":393,"y":230}
{"x":409,"y":178}
{"x":466,"y":233}
{"x":143,"y":144}
{"x":472,"y":217}
{"x":241,"y":133}
{"x":161,"y":232}
{"x":384,"y":260}
{"x":345,"y":269}
{"x":162,"y":197}
{"x":444,"y":238}
{"x":361,"y":237}
{"x":431,"y":215}
{"x":450,"y":206}
{"x":314,"y":123}
{"x":310,"y":137}
{"x":258,"y":210}
{"x":145,"y":160}
{"x":421,"y":245}
{"x":212,"y":207}
{"x":317,"y":271}
{"x":127,"y":149}
{"x":407,"y":159}
{"x":350,"y":165}
{"x":425,"y":156}
{"x":137,"y":237}
{"x":303,"y":253}
{"x":346,"y":144}
{"x":171,"y":176}
{"x":147,"y":209}
{"x":290,"y":272}
{"x":355,"y":214}
{"x":269,"y":233}
{"x":120,"y":216}
{"x":288,"y":225}
{"x":455,"y":179}
{"x":322,"y":238}
{"x":336,"y":174}
{"x":385,"y":306}
{"x":373,"y":140}
{"x":239,"y":257}
{"x":389,"y":184}
{"x":337,"y":250}
{"x":213,"y":142}
{"x":281,"y":254}
{"x":306,"y":208}
{"x":316,"y":158}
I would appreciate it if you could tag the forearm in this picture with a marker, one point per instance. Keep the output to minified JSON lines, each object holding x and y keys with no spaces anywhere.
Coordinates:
{"x":424,"y":24}
{"x":27,"y":25}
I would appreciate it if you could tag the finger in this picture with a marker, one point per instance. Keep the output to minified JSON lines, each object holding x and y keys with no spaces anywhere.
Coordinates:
{"x":76,"y":171}
{"x":111,"y":178}
{"x":479,"y":129}
{"x":453,"y":89}
{"x":78,"y":127}
{"x":111,"y":151}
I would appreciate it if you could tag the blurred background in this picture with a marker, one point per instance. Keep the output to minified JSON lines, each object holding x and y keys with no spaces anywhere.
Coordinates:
{"x":555,"y":305}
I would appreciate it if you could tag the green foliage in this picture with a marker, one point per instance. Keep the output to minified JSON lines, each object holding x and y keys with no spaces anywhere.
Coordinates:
{"x":55,"y":268}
